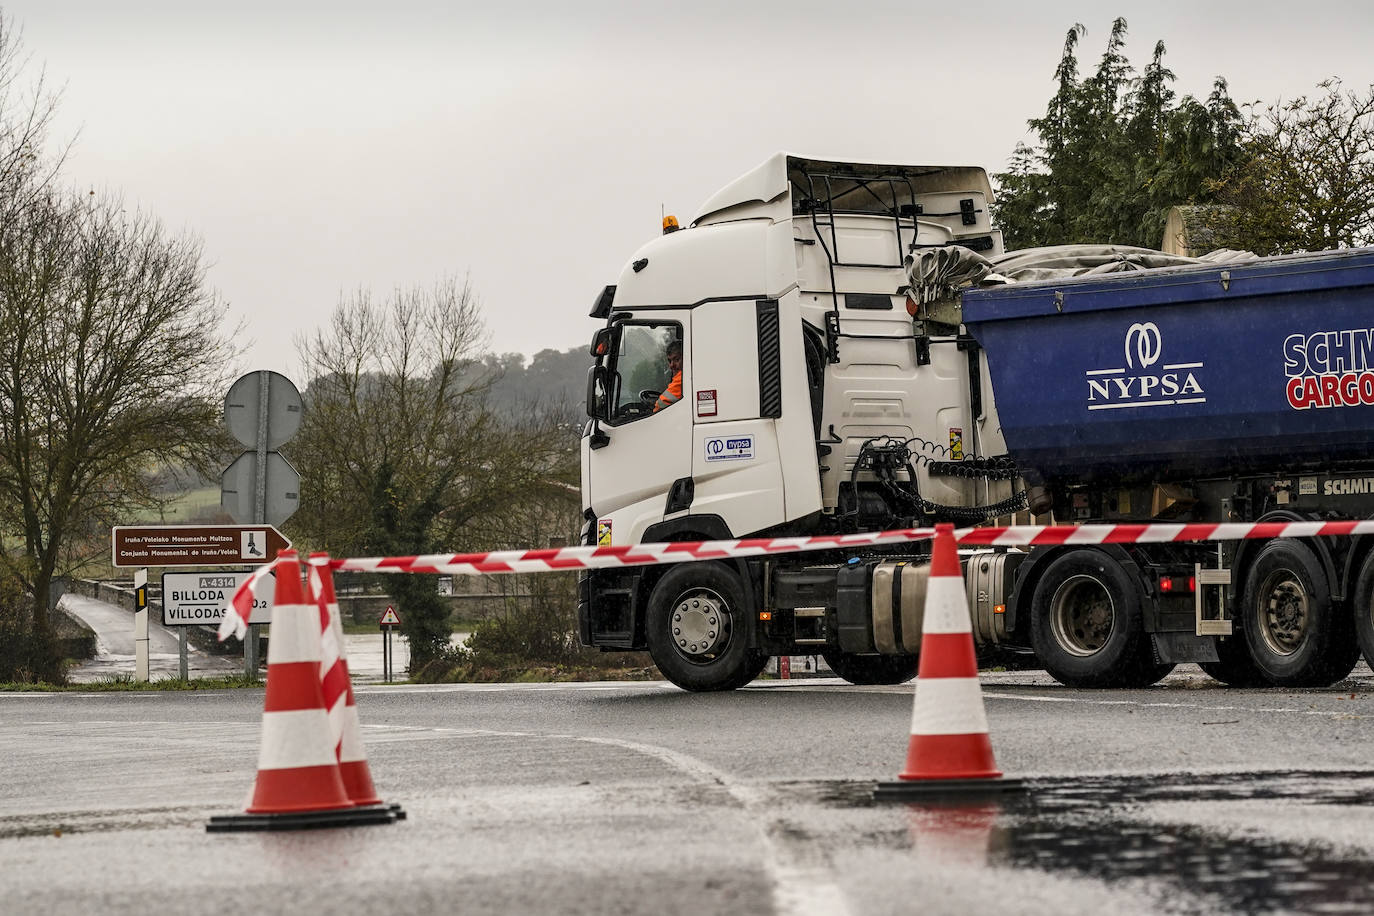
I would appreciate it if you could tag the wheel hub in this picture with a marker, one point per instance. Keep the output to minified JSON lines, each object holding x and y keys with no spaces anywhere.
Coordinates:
{"x":1081,"y":615}
{"x":1285,"y":617}
{"x":698,"y":623}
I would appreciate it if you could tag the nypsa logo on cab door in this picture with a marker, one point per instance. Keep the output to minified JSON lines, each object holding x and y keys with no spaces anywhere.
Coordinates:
{"x":1329,"y":368}
{"x":1139,"y":383}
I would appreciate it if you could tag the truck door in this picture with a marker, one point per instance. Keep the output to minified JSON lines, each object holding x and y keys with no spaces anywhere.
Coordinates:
{"x":736,"y":462}
{"x":630,"y":474}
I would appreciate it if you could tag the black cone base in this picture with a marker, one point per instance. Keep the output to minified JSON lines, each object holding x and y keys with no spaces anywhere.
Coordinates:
{"x":306,"y":820}
{"x":936,"y":789}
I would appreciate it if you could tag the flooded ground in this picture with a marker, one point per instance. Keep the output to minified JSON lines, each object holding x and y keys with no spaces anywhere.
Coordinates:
{"x":1148,"y":832}
{"x":114,"y":657}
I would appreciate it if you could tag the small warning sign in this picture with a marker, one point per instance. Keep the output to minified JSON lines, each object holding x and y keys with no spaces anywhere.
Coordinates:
{"x":389,"y":618}
{"x":956,"y":444}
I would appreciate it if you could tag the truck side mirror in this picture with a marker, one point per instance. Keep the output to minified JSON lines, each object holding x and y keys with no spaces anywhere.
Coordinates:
{"x":601,"y":343}
{"x":596,"y":392}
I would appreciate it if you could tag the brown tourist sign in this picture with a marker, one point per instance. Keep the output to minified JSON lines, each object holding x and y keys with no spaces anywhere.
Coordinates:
{"x":195,"y":545}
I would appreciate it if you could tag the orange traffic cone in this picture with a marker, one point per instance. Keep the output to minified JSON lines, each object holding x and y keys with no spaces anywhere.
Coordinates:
{"x":949,"y":751}
{"x":298,"y":783}
{"x":337,"y":688}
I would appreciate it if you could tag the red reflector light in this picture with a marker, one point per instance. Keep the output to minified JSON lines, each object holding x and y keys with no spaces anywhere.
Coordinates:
{"x":1175,"y":583}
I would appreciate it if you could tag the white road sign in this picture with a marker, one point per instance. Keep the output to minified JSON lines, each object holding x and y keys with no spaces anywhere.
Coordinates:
{"x":245,"y":404}
{"x":193,"y":599}
{"x":281,"y":488}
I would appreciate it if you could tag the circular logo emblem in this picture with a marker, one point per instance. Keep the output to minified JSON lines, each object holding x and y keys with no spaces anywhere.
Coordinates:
{"x":1143,"y":344}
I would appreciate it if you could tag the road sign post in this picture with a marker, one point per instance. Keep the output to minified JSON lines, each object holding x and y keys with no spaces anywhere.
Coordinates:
{"x":388,"y":623}
{"x":142,"y":546}
{"x":141,"y":624}
{"x":263,"y":410}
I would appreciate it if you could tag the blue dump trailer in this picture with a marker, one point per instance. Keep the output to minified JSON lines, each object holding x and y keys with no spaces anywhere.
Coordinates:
{"x":1171,"y":374}
{"x":1238,"y":392}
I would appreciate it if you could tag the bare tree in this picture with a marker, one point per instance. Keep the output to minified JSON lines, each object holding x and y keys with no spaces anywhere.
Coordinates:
{"x":112,"y":366}
{"x":26,"y":112}
{"x":400,"y":453}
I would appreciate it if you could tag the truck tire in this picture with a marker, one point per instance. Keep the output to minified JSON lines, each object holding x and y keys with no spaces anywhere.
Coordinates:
{"x":866,"y":670}
{"x":1234,"y":666}
{"x":1086,"y":624}
{"x":1363,"y":610}
{"x":1295,"y":633}
{"x":696,"y":628}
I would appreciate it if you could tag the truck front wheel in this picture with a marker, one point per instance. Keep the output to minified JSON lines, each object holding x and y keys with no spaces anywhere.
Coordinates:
{"x":1086,"y":624}
{"x":1297,"y":637}
{"x":866,"y":670}
{"x":697,"y":629}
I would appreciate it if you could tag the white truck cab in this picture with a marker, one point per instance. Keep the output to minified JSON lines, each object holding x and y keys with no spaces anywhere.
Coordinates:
{"x":788,"y":292}
{"x":817,"y":394}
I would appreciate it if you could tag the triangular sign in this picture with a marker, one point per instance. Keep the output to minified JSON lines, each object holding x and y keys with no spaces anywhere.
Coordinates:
{"x":389,"y":619}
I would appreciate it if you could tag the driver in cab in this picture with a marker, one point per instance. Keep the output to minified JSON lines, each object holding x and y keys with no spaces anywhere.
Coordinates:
{"x":673,"y":393}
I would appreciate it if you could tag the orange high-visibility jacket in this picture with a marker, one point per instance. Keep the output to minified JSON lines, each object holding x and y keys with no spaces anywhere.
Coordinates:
{"x":672,"y":394}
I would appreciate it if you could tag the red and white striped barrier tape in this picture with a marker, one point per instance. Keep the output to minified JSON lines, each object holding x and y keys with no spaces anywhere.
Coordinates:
{"x":576,"y":558}
{"x":1156,"y":533}
{"x":564,"y":559}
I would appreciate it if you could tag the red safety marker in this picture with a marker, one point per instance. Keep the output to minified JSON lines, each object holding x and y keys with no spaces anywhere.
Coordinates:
{"x":345,"y":726}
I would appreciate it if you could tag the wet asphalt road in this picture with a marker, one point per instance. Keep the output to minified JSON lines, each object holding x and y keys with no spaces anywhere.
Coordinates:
{"x":638,"y":798}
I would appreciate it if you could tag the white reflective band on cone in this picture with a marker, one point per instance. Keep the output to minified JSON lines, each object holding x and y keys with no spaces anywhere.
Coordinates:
{"x":948,"y":706}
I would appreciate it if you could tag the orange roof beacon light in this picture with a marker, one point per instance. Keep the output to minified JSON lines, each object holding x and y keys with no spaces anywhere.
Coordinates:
{"x":670,"y":224}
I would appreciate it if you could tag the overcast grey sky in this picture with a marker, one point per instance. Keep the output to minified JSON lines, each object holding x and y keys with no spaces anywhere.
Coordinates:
{"x":321,"y":147}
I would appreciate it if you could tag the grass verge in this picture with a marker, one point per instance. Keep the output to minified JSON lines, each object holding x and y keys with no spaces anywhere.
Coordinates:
{"x":126,"y":682}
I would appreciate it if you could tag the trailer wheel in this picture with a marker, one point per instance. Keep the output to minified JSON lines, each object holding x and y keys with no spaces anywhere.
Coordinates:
{"x":1296,"y":635}
{"x":1234,"y":666}
{"x":1364,"y":609}
{"x":866,"y":670}
{"x":1086,"y":623}
{"x":696,"y":629}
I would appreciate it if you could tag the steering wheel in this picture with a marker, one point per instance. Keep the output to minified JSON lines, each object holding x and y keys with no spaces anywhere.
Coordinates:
{"x":649,"y":396}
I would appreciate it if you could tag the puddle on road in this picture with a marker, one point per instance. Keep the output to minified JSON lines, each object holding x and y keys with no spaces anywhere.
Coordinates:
{"x":1093,"y":827}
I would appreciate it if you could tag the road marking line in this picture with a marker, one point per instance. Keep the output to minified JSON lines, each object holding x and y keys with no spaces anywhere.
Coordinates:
{"x":797,"y":888}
